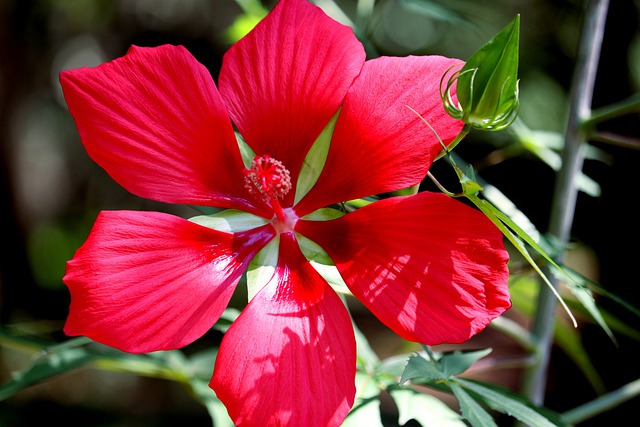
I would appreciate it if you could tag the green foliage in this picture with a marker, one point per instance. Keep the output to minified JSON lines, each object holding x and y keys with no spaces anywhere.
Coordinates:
{"x":473,"y":396}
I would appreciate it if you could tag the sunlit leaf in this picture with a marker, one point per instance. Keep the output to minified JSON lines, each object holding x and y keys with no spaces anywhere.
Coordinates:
{"x":366,"y":407}
{"x":419,"y":367}
{"x":423,"y":408}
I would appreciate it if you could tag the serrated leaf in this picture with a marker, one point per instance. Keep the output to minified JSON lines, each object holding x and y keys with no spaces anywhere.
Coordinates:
{"x":424,"y":408}
{"x":457,"y":362}
{"x":419,"y":367}
{"x":472,"y":411}
{"x":393,"y":366}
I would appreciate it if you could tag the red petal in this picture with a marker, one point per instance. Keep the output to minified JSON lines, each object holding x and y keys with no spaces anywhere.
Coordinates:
{"x":156,"y":123}
{"x":379,"y":144}
{"x":152,"y":281}
{"x":290,"y":358}
{"x":431,"y":268}
{"x":285,"y":80}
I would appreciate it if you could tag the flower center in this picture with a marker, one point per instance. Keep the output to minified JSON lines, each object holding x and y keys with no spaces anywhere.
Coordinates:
{"x":269,"y":180}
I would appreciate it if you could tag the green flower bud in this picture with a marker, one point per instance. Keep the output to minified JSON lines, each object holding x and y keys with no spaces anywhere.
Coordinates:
{"x":487,"y":85}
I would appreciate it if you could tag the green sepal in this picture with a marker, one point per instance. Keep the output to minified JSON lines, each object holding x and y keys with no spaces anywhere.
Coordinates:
{"x":262,"y":267}
{"x":230,"y":221}
{"x":315,"y":160}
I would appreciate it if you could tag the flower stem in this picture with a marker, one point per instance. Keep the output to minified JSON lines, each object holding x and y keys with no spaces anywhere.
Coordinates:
{"x":603,"y":403}
{"x":566,"y":190}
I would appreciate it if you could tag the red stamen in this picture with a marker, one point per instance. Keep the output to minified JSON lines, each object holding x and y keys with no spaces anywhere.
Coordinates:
{"x":269,"y":180}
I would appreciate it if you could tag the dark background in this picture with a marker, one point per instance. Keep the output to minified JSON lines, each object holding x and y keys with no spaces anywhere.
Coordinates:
{"x":50,"y":191}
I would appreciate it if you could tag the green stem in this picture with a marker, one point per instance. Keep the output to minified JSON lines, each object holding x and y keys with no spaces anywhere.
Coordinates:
{"x":626,"y":106}
{"x":514,"y":331}
{"x":566,"y":190}
{"x":602,"y":403}
{"x":619,"y":140}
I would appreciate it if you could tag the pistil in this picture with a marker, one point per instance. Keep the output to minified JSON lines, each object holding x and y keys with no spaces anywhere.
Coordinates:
{"x":269,"y":180}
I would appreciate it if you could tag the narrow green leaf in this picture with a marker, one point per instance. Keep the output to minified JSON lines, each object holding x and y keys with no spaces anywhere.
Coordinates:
{"x":507,"y":403}
{"x":472,"y":411}
{"x":500,"y":220}
{"x":523,"y":295}
{"x":570,"y":341}
{"x":578,"y":288}
{"x":46,"y":366}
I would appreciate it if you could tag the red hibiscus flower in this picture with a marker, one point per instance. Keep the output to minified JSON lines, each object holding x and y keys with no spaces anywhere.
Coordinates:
{"x":431,"y":268}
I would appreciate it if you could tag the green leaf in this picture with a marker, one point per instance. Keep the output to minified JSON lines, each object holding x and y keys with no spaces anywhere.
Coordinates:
{"x":391,"y":368}
{"x":457,"y":362}
{"x":505,"y":224}
{"x":424,"y":408}
{"x":45,"y":366}
{"x":523,"y":295}
{"x":419,"y":367}
{"x":546,"y":146}
{"x":569,"y":340}
{"x":254,"y":12}
{"x":472,"y":411}
{"x":366,"y":407}
{"x":217,"y":411}
{"x":578,"y":288}
{"x":368,"y":360}
{"x":510,"y":404}
{"x":229,"y":315}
